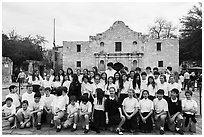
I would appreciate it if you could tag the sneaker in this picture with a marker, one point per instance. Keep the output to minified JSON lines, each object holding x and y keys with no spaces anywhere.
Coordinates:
{"x":58,"y":130}
{"x":180,"y":132}
{"x":119,"y":132}
{"x":86,"y":131}
{"x":73,"y":129}
{"x":38,"y":127}
{"x":161,"y":132}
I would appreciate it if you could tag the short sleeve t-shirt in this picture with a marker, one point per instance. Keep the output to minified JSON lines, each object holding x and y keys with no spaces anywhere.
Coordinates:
{"x":99,"y":106}
{"x":146,"y":105}
{"x":86,"y":107}
{"x":130,"y":104}
{"x":160,"y":105}
{"x":73,"y":108}
{"x":15,"y":97}
{"x":189,"y":104}
{"x":9,"y":110}
{"x":26,"y":113}
{"x":49,"y":100}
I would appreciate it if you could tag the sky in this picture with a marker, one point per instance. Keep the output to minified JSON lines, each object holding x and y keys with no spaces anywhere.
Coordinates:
{"x":76,"y":21}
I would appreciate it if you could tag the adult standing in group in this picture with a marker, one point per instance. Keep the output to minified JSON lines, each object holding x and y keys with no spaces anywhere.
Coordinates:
{"x":110,"y":71}
{"x":21,"y":77}
{"x":35,"y":80}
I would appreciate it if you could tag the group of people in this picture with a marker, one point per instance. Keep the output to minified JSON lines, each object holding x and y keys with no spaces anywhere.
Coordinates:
{"x":131,"y":101}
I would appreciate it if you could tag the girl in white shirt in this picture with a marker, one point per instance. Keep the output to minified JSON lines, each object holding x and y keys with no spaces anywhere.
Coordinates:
{"x":125,"y":85}
{"x":47,"y":82}
{"x":56,"y":83}
{"x":117,"y":80}
{"x":109,"y":84}
{"x":172,"y":84}
{"x":52,"y":75}
{"x":69,"y":74}
{"x":145,"y":111}
{"x":98,"y":111}
{"x":151,"y":87}
{"x":86,"y":88}
{"x":61,"y":75}
{"x":66,"y":82}
{"x":104,"y":78}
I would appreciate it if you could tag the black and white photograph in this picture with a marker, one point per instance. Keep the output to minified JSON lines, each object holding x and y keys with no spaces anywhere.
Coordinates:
{"x":101,"y":68}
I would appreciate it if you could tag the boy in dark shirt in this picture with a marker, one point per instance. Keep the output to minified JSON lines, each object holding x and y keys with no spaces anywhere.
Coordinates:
{"x":113,"y":111}
{"x":174,"y":113}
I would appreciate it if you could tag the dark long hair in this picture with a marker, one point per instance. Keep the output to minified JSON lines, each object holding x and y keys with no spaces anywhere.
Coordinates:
{"x":71,"y":71}
{"x":102,"y":77}
{"x":153,"y":83}
{"x":135,"y":81}
{"x":109,"y":83}
{"x":121,"y":85}
{"x":34,"y":75}
{"x":62,"y":72}
{"x":100,"y":95}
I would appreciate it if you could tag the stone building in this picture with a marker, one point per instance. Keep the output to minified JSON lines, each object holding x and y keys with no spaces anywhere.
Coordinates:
{"x":7,"y":70}
{"x":122,"y":46}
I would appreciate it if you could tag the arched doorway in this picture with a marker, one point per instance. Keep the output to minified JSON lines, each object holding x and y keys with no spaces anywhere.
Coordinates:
{"x":118,"y":66}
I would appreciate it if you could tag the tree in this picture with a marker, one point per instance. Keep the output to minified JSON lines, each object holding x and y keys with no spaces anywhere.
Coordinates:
{"x":191,"y":35}
{"x":162,"y":29}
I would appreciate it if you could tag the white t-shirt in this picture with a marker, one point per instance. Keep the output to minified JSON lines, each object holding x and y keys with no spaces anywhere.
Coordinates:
{"x":46,"y":84}
{"x":160,"y":105}
{"x":26,"y":113}
{"x":58,"y":103}
{"x":130,"y":104}
{"x":181,"y":78}
{"x":29,"y":98}
{"x":110,"y":73}
{"x":164,"y":86}
{"x":66,"y":99}
{"x":85,"y":107}
{"x":73,"y":109}
{"x":146,"y":105}
{"x":189,"y":104}
{"x":8,"y":110}
{"x":36,"y":106}
{"x":36,"y":81}
{"x":152,"y":91}
{"x":56,"y":84}
{"x":15,"y":97}
{"x":66,"y":84}
{"x":143,"y":85}
{"x":51,"y":78}
{"x":126,"y":85}
{"x":98,"y":106}
{"x":186,"y":75}
{"x":174,"y":85}
{"x":49,"y":100}
{"x":86,"y":88}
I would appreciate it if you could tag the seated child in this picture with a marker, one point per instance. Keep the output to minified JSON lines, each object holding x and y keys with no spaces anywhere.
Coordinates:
{"x":189,"y":108}
{"x":47,"y":105}
{"x":14,"y":95}
{"x":161,"y":109}
{"x":85,"y":111}
{"x":73,"y":112}
{"x":24,"y":115}
{"x":8,"y":112}
{"x":37,"y":110}
{"x":145,"y":110}
{"x":58,"y":108}
{"x":64,"y":94}
{"x":174,"y":113}
{"x":113,"y":111}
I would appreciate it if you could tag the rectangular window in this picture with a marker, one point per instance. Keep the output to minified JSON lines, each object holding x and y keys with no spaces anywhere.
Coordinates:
{"x":160,"y":63}
{"x":118,"y":46}
{"x":78,"y":48}
{"x":78,"y":64}
{"x":158,"y":46}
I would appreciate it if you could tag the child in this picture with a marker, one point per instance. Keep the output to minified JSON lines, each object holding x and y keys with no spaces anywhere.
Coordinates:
{"x":161,"y":109}
{"x":189,"y":108}
{"x":86,"y":88}
{"x":113,"y":111}
{"x":66,"y":82}
{"x":151,"y":87}
{"x":145,"y":110}
{"x":97,"y":84}
{"x":130,"y":109}
{"x":47,"y":83}
{"x":109,"y":84}
{"x":29,"y":95}
{"x":104,"y":78}
{"x":174,"y":113}
{"x":37,"y":110}
{"x":143,"y":82}
{"x":58,"y":108}
{"x":56,"y":83}
{"x":35,"y":80}
{"x":73,"y":112}
{"x":24,"y":115}
{"x":164,"y":85}
{"x":85,"y":111}
{"x":117,"y":80}
{"x":65,"y":96}
{"x":47,"y":105}
{"x":14,"y":95}
{"x":124,"y":87}
{"x":8,"y":112}
{"x":156,"y":77}
{"x":136,"y":83}
{"x":98,"y":111}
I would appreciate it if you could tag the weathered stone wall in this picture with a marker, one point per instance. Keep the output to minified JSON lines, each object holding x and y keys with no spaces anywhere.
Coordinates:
{"x":7,"y":70}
